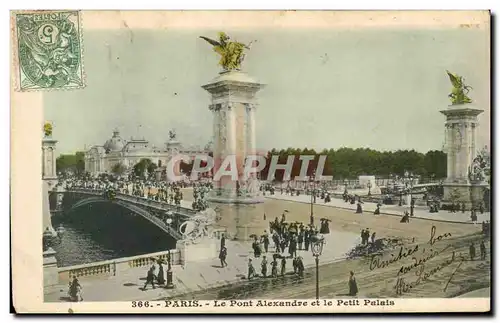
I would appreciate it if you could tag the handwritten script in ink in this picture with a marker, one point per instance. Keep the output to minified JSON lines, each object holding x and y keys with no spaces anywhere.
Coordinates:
{"x":419,"y":255}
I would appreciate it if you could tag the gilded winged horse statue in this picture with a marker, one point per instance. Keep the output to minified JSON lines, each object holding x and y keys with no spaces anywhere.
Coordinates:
{"x":231,"y":52}
{"x":459,"y":93}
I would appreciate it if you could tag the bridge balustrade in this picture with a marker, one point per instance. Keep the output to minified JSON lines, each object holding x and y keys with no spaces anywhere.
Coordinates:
{"x":139,"y":200}
{"x":115,"y":267}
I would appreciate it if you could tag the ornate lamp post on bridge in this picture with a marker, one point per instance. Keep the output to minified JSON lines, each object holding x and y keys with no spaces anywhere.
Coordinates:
{"x":408,"y":181}
{"x":312,"y":180}
{"x":317,"y":243}
{"x":170,"y":278}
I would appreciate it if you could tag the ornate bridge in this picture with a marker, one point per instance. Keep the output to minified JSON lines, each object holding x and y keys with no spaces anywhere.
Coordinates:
{"x":155,"y":212}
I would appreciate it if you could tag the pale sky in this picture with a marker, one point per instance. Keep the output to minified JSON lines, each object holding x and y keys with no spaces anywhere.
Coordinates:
{"x":377,"y":88}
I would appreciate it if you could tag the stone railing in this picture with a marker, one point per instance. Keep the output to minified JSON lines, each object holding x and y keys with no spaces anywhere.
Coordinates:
{"x":115,"y":267}
{"x":155,"y":204}
{"x":139,"y":200}
{"x":158,"y":222}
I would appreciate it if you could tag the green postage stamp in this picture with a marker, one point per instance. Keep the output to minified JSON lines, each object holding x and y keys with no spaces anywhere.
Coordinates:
{"x":49,"y":50}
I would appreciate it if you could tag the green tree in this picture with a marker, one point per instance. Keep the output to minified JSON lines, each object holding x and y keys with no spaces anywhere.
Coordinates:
{"x":80,"y":162}
{"x":350,"y":163}
{"x":435,"y":163}
{"x":118,"y":169}
{"x":143,"y":165}
{"x":71,"y":162}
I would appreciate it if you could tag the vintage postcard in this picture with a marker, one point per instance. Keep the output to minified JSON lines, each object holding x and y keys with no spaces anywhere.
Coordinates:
{"x":250,"y":161}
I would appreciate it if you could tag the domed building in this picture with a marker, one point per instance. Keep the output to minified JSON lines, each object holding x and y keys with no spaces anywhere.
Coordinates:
{"x":116,"y":150}
{"x":115,"y":144}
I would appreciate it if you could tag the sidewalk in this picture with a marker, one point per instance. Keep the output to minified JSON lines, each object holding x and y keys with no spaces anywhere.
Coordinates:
{"x":200,"y":275}
{"x":369,"y":207}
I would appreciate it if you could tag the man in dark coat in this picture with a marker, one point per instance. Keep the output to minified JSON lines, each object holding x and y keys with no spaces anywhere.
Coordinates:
{"x":276,"y":240}
{"x":265,"y":241}
{"x":295,"y":265}
{"x":150,"y":278}
{"x":307,"y":238}
{"x":300,"y":238}
{"x":300,"y":267}
{"x":222,"y":241}
{"x":222,"y":257}
{"x":256,"y":248}
{"x":292,"y":248}
{"x":274,"y":268}
{"x":251,"y":269}
{"x":482,"y":247}
{"x":263,"y":267}
{"x":472,"y":251}
{"x":283,"y":266}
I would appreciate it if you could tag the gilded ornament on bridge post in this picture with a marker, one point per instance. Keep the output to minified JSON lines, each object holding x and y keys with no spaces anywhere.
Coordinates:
{"x":459,"y":92}
{"x":172,"y":134}
{"x":232,"y":52}
{"x":47,"y":129}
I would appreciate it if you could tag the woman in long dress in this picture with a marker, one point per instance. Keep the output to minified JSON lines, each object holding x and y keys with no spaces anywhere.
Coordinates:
{"x":353,"y":286}
{"x":161,"y":274}
{"x":75,"y":290}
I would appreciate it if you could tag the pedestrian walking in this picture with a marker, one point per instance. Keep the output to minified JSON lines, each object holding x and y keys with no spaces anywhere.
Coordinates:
{"x":300,"y":239}
{"x":161,"y":274}
{"x":472,"y":251}
{"x":251,"y":270}
{"x":283,"y":266}
{"x":353,"y":285}
{"x":263,"y":267}
{"x":265,"y":241}
{"x":222,"y":241}
{"x":300,"y":267}
{"x":274,"y":268}
{"x":150,"y":278}
{"x":482,"y":247}
{"x":222,"y":257}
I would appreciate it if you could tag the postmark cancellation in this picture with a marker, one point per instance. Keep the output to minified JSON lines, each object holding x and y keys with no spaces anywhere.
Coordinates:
{"x":48,"y":51}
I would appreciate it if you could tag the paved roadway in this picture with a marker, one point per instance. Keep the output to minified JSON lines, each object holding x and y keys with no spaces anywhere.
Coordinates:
{"x":420,"y":212}
{"x":345,"y":227}
{"x":463,"y":278}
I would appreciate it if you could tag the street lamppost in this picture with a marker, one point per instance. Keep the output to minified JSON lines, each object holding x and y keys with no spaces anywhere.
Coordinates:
{"x":170,"y":278}
{"x":170,"y":283}
{"x":317,"y":242}
{"x":346,"y":182}
{"x":47,"y":239}
{"x":313,"y":192}
{"x":409,"y":184}
{"x":369,"y":188}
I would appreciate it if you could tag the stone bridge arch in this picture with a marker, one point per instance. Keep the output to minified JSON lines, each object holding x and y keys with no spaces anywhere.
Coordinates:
{"x":76,"y":203}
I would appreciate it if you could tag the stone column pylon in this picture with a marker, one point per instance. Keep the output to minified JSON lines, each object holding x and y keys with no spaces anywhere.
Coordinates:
{"x":232,"y":93}
{"x":49,"y":173}
{"x":461,"y":120}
